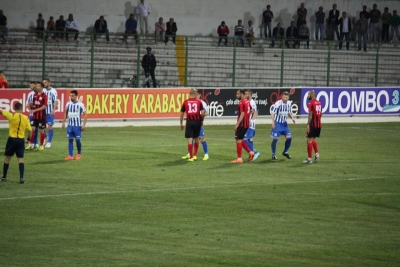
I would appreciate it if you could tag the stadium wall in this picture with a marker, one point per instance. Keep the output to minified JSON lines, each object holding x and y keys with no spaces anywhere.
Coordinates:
{"x":193,"y":17}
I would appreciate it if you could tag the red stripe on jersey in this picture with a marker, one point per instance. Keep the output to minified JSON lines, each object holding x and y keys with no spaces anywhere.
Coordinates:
{"x":244,"y":106}
{"x":192,"y":107}
{"x":39,"y":100}
{"x":315,"y":108}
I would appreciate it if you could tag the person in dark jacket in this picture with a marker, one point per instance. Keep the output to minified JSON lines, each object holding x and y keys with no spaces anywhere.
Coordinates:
{"x":60,"y":27}
{"x":100,"y":26}
{"x":149,"y":64}
{"x":332,"y":21}
{"x":171,"y":31}
{"x":291,"y":35}
{"x":345,"y":29}
{"x":277,"y":33}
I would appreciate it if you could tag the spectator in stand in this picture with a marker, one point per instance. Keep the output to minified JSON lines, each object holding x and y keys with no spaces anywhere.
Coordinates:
{"x":159,"y":32}
{"x":149,"y":64}
{"x":345,"y":29}
{"x":143,"y":12}
{"x":71,"y":26}
{"x":304,"y":33}
{"x":375,"y":15}
{"x":239,"y":32}
{"x":171,"y":31}
{"x":39,"y":26}
{"x":250,"y":33}
{"x":394,"y":22}
{"x":291,"y":35}
{"x":100,"y":26}
{"x":277,"y":33}
{"x":223,"y":32}
{"x":320,"y":20}
{"x":3,"y":80}
{"x":60,"y":27}
{"x":3,"y":26}
{"x":267,"y":19}
{"x":362,"y":25}
{"x":51,"y":27}
{"x":131,"y":27}
{"x":332,"y":20}
{"x":385,"y":25}
{"x":366,"y":16}
{"x":301,"y":15}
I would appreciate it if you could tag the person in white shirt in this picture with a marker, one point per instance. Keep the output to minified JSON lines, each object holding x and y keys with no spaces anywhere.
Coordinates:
{"x":71,"y":26}
{"x":345,"y":30}
{"x":143,"y":12}
{"x":250,"y":33}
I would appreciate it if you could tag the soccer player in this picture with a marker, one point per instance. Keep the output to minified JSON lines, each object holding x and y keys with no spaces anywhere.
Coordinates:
{"x":18,"y":123}
{"x":313,"y":126}
{"x":28,"y":102}
{"x":242,"y":124}
{"x":251,"y":132}
{"x":202,"y":138}
{"x":279,"y":113}
{"x":38,"y":108}
{"x":194,"y":113}
{"x":52,"y":106}
{"x":74,"y":111}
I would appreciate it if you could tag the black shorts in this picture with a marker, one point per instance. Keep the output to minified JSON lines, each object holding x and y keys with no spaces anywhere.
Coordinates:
{"x":240,"y":133}
{"x":192,"y":129}
{"x":15,"y":146}
{"x":313,"y":133}
{"x":39,"y":123}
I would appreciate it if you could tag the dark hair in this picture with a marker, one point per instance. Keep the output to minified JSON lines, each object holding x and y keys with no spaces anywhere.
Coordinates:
{"x":18,"y":106}
{"x":51,"y":17}
{"x":41,"y":83}
{"x":223,"y":22}
{"x":241,"y":91}
{"x":40,"y":14}
{"x":285,"y":93}
{"x":32,"y":82}
{"x":248,"y":90}
{"x":268,"y":6}
{"x":74,"y":92}
{"x":46,"y":79}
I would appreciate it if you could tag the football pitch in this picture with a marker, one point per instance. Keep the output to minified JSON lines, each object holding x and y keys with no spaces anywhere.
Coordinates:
{"x":132,"y":201}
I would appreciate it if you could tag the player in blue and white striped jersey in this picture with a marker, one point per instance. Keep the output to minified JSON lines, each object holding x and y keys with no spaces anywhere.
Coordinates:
{"x":251,"y":132}
{"x":52,"y":106}
{"x":280,"y":111}
{"x":74,"y":111}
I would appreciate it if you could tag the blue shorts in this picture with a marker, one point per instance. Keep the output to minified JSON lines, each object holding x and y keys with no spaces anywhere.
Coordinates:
{"x":74,"y":132}
{"x":280,"y":130}
{"x":50,"y":119}
{"x":201,"y":135}
{"x":250,"y":133}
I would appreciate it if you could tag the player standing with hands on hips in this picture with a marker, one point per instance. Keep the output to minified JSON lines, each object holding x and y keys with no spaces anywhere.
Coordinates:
{"x":313,"y":126}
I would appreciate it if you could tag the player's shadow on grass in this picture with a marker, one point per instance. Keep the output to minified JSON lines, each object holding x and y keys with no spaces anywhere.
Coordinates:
{"x":55,"y":161}
{"x":177,"y":162}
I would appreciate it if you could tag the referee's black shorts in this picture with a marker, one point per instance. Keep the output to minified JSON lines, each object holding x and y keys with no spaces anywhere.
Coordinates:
{"x":15,"y":146}
{"x":313,"y":133}
{"x":240,"y":133}
{"x":192,"y":129}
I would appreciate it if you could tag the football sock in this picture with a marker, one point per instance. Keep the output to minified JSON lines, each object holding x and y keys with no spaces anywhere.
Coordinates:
{"x":79,"y":145}
{"x":33,"y":137}
{"x":21,"y":170}
{"x":205,"y":147}
{"x":249,"y":144}
{"x":45,"y":134}
{"x":35,"y":134}
{"x":50,"y":136}
{"x":309,"y":149}
{"x":196,"y":148}
{"x":315,"y":145}
{"x":190,"y":149}
{"x":287,"y":144}
{"x":245,"y":146}
{"x":273,"y":146}
{"x":71,"y":147}
{"x":42,"y":136}
{"x":5,"y":169}
{"x":239,"y":150}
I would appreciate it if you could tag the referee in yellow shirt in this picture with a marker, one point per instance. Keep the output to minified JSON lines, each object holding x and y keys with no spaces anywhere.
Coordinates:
{"x":18,"y":123}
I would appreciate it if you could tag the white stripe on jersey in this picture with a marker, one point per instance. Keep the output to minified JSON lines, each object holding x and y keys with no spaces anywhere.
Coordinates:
{"x":51,"y":99}
{"x":205,"y":107}
{"x":281,"y":110}
{"x":254,"y":108}
{"x":30,"y":99}
{"x":74,"y":113}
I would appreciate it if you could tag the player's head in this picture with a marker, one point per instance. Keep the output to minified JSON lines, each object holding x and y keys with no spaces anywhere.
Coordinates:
{"x":193,"y":92}
{"x":73,"y":95}
{"x":39,"y":86}
{"x":18,"y":107}
{"x":285,"y":96}
{"x":248,"y":94}
{"x":33,"y":85}
{"x":240,"y":94}
{"x":311,"y":95}
{"x":46,"y":82}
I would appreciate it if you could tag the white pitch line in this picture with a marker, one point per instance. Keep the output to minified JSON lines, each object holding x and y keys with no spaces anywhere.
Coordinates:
{"x":186,"y":188}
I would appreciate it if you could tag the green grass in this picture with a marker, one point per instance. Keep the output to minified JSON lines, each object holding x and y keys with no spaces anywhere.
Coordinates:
{"x":131,"y":201}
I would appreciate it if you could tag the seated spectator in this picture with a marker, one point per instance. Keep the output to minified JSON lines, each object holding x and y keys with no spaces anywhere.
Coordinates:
{"x":131,"y":27}
{"x":291,"y":35}
{"x":304,"y":33}
{"x":239,"y":32}
{"x":3,"y":26}
{"x":394,"y":22}
{"x":71,"y":26}
{"x":223,"y":32}
{"x":100,"y":26}
{"x":51,"y":27}
{"x":362,"y":25}
{"x":250,"y":33}
{"x":159,"y":32}
{"x":60,"y":27}
{"x":39,"y":26}
{"x":345,"y":30}
{"x":171,"y":31}
{"x":3,"y":80}
{"x":277,"y":33}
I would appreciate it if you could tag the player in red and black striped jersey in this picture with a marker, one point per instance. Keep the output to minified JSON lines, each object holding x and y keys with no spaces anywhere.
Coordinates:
{"x":194,"y":115}
{"x":38,"y":109}
{"x":313,"y":126}
{"x":242,"y":124}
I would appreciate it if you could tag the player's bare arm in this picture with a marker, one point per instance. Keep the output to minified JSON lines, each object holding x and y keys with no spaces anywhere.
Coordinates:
{"x":181,"y":120}
{"x":239,"y":120}
{"x":84,"y":121}
{"x":65,"y":117}
{"x":55,"y":107}
{"x":273,"y":120}
{"x":291,"y":116}
{"x":255,"y":115}
{"x":39,"y":109}
{"x":309,"y":121}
